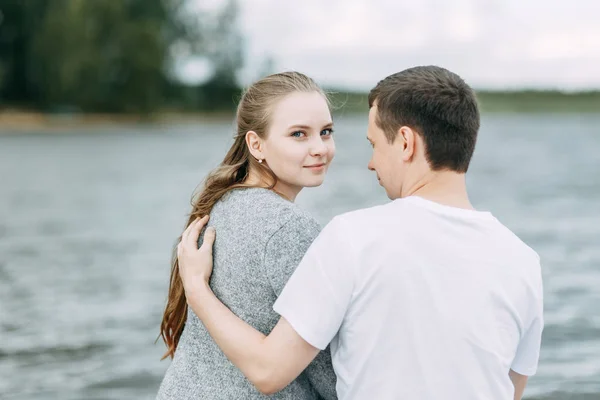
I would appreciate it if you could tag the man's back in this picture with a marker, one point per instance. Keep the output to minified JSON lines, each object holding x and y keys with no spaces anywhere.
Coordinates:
{"x":440,"y":302}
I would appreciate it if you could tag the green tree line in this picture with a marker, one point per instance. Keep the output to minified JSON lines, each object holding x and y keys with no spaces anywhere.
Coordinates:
{"x":115,"y":55}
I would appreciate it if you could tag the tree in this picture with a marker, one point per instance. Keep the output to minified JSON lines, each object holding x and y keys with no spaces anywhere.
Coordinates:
{"x":111,"y":55}
{"x":100,"y":56}
{"x":225,"y":52}
{"x":19,"y":20}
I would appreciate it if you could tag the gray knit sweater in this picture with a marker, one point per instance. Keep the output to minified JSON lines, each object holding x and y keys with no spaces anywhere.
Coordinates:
{"x":261,"y":239}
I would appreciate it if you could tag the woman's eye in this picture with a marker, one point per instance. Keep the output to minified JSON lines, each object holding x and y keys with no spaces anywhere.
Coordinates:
{"x":327,"y":132}
{"x":298,"y":134}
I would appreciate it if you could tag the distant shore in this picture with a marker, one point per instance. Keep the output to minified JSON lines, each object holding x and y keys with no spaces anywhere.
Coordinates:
{"x":522,"y":101}
{"x":15,"y":119}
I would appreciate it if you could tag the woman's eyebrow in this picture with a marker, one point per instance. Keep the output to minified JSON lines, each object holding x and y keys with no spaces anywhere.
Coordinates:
{"x":306,"y":127}
{"x":299,"y":127}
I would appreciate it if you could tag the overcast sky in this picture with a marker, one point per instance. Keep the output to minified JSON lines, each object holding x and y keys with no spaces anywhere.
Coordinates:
{"x":490,"y":43}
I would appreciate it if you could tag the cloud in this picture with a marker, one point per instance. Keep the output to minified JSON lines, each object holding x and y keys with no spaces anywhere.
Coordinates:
{"x":491,"y":43}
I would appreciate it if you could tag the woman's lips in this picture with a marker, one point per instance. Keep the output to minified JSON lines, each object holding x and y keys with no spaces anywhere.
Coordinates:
{"x":316,"y":166}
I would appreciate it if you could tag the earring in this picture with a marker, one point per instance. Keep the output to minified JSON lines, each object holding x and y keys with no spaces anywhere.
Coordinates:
{"x":260,"y":161}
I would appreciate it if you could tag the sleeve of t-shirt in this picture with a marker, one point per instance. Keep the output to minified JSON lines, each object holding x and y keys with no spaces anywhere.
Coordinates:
{"x":317,"y":296}
{"x":528,"y":350}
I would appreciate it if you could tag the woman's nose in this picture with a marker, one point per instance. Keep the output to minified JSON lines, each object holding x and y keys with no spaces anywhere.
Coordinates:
{"x":318,"y":147}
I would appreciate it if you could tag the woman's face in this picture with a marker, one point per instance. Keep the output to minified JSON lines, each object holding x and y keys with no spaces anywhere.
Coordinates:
{"x":299,"y":146}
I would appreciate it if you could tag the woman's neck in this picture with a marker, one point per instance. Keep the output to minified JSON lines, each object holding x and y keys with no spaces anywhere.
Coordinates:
{"x":289,"y":192}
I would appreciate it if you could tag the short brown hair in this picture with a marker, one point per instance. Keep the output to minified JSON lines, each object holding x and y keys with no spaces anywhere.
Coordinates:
{"x":436,"y":103}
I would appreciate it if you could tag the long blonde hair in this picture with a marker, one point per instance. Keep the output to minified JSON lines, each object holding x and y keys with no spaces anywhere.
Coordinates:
{"x":253,"y":114}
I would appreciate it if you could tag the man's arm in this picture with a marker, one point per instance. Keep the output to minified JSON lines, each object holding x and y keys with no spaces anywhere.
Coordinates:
{"x":527,"y":356}
{"x":283,"y":253}
{"x":313,"y":304}
{"x":519,"y":382}
{"x":269,"y":362}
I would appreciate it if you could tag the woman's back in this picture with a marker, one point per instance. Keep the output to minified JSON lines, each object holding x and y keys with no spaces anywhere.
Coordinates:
{"x":261,"y":238}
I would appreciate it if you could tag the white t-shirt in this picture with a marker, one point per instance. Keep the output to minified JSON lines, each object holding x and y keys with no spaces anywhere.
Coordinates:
{"x":419,"y":301}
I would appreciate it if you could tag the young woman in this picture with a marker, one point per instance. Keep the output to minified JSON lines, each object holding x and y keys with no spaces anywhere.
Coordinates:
{"x":283,"y":144}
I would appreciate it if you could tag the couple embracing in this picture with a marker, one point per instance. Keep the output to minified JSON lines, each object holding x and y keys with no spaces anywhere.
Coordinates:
{"x":423,"y":297}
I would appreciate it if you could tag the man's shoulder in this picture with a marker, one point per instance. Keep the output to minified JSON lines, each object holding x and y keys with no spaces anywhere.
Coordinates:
{"x":508,"y":238}
{"x":375,"y":217}
{"x":381,"y":211}
{"x":363,"y":223}
{"x":522,"y":254}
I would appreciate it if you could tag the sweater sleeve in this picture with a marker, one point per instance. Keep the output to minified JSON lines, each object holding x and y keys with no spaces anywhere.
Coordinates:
{"x":283,"y":252}
{"x":286,"y":247}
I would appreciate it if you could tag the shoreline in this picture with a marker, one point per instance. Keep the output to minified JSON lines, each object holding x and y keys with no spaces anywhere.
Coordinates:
{"x":20,"y":120}
{"x":16,"y":120}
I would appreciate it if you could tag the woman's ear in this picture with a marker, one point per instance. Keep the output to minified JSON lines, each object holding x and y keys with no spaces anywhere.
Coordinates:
{"x":254,"y":143}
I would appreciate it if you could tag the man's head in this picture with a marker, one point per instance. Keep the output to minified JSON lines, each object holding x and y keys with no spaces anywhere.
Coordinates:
{"x":422,"y":119}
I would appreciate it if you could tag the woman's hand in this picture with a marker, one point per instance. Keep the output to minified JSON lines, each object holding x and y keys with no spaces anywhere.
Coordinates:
{"x":196,"y":264}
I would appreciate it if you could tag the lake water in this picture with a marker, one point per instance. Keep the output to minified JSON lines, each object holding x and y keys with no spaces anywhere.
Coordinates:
{"x":88,"y":219}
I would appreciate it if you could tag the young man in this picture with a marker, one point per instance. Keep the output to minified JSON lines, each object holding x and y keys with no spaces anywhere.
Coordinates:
{"x":421,"y":298}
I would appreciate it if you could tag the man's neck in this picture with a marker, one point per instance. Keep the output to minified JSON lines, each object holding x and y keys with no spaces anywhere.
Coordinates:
{"x":443,"y":187}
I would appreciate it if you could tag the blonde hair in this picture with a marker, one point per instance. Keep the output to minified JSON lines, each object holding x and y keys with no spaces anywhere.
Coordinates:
{"x":254,"y":113}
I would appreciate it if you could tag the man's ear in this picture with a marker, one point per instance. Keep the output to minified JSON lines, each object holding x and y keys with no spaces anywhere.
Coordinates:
{"x":408,"y":141}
